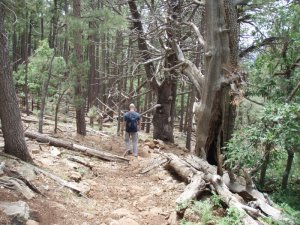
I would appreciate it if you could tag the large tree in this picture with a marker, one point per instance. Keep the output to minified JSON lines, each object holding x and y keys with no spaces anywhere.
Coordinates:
{"x":165,"y":89}
{"x":215,"y":114}
{"x":79,"y":93}
{"x":9,"y":110}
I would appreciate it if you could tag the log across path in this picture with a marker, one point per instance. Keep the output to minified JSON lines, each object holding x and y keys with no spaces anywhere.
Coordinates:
{"x":43,"y":138}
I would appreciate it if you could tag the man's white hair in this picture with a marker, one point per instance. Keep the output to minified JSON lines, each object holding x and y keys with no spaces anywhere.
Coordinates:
{"x":131,"y":106}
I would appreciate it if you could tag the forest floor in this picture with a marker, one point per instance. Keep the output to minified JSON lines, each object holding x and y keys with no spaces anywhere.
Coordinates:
{"x":119,"y":194}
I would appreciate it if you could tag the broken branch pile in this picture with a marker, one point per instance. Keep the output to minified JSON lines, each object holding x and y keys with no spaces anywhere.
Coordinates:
{"x":199,"y":176}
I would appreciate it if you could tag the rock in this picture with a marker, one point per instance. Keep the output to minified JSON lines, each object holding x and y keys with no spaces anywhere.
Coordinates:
{"x":145,"y":152}
{"x":82,"y":186}
{"x":172,"y":219}
{"x":32,"y":222}
{"x":17,"y":209}
{"x":28,"y":172}
{"x":35,"y":151}
{"x":75,"y":176}
{"x":159,"y":143}
{"x":54,"y":151}
{"x":150,"y":144}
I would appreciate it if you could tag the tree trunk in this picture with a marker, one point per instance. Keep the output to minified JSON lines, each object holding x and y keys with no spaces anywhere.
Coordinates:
{"x":54,"y":25}
{"x":148,"y":120}
{"x":287,"y":169}
{"x":79,"y":95}
{"x":265,"y":164}
{"x":14,"y":49}
{"x":26,"y":65}
{"x":92,"y":60}
{"x":9,"y":111}
{"x":189,"y":118}
{"x":44,"y":95}
{"x":57,"y":108}
{"x":166,"y":92}
{"x":229,"y":109}
{"x":181,"y":109}
{"x":210,"y":115}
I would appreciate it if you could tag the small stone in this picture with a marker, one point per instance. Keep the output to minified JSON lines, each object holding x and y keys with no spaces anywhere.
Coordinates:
{"x":54,"y":151}
{"x":75,"y":176}
{"x":35,"y":151}
{"x":32,"y":222}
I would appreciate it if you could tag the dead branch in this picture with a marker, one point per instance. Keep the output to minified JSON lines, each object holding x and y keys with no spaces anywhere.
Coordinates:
{"x":148,"y":110}
{"x":154,"y":164}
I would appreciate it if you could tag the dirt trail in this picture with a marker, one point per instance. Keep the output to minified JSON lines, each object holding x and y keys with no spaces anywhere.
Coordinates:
{"x":119,"y":194}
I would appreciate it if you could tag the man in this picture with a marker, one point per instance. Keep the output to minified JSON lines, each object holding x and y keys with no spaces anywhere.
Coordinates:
{"x":132,"y":125}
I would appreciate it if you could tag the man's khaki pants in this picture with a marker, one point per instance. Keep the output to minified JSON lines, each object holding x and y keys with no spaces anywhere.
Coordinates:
{"x":133,"y":137}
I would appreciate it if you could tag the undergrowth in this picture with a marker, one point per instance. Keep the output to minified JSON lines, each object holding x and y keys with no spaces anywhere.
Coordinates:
{"x":206,"y":212}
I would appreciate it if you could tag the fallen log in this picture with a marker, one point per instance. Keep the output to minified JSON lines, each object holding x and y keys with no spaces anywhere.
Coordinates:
{"x":193,"y":189}
{"x":197,"y":173}
{"x":192,"y":177}
{"x":68,"y":145}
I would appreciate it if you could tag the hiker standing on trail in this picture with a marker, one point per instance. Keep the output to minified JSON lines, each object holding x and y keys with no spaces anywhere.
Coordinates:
{"x":132,"y":125}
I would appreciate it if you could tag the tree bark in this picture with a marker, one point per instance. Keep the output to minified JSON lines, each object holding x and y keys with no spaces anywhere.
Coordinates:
{"x":9,"y":111}
{"x":79,"y":95}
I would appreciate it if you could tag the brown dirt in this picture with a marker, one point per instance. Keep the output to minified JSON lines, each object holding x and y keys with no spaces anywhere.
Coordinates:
{"x":118,"y":192}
